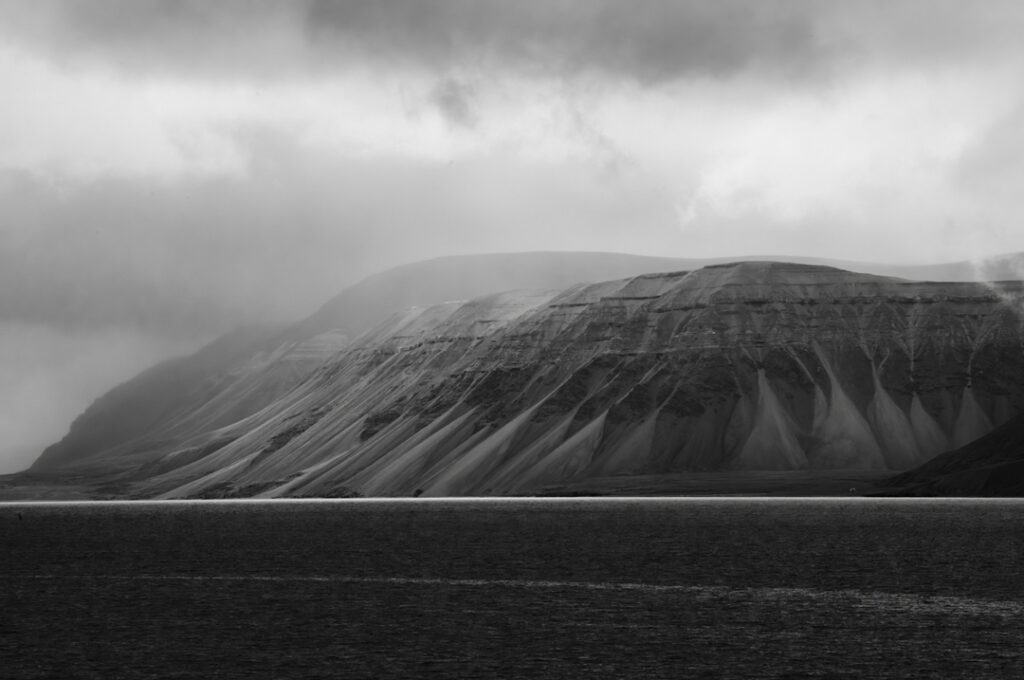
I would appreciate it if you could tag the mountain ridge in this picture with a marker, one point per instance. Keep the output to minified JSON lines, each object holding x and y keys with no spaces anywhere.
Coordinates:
{"x":621,"y":314}
{"x":329,"y":329}
{"x":562,"y":389}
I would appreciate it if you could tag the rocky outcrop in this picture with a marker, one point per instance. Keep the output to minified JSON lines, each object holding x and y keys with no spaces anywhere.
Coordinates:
{"x":749,"y":366}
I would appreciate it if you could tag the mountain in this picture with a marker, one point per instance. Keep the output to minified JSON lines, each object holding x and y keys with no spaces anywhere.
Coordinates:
{"x":992,"y":465}
{"x":138,"y":407}
{"x":248,"y":369}
{"x":750,"y":366}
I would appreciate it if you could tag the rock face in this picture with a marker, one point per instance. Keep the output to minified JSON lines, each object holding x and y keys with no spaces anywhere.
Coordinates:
{"x":749,"y":366}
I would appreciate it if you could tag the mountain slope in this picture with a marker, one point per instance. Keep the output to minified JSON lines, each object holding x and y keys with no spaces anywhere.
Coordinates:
{"x":992,"y":465}
{"x":236,"y":376}
{"x":751,"y":366}
{"x":133,"y":409}
{"x":174,"y":408}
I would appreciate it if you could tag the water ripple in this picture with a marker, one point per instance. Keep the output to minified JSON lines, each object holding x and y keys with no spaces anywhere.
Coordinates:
{"x":875,"y":600}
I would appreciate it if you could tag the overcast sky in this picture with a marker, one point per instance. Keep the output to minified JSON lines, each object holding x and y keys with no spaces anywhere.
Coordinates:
{"x":171,"y":168}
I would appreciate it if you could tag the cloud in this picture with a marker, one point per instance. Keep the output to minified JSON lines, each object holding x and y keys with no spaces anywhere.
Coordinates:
{"x":652,"y":42}
{"x":50,"y":375}
{"x":194,"y":255}
{"x":454,"y":99}
{"x":994,"y":163}
{"x":660,"y":40}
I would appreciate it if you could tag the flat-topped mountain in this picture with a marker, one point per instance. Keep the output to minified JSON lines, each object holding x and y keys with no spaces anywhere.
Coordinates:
{"x":742,"y":366}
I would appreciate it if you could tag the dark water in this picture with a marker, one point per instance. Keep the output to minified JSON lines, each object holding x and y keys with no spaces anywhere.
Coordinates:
{"x":537,"y":589}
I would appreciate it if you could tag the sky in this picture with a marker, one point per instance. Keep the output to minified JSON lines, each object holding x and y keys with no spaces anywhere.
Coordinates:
{"x":170,"y":169}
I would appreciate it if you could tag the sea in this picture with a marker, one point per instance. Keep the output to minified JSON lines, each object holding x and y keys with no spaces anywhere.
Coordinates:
{"x":515,"y":588}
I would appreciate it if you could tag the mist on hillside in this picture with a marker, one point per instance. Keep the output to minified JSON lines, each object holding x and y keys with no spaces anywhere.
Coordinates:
{"x":170,"y":171}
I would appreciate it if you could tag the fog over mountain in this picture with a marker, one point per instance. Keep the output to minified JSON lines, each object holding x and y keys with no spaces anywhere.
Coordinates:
{"x":751,"y":366}
{"x":171,"y":171}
